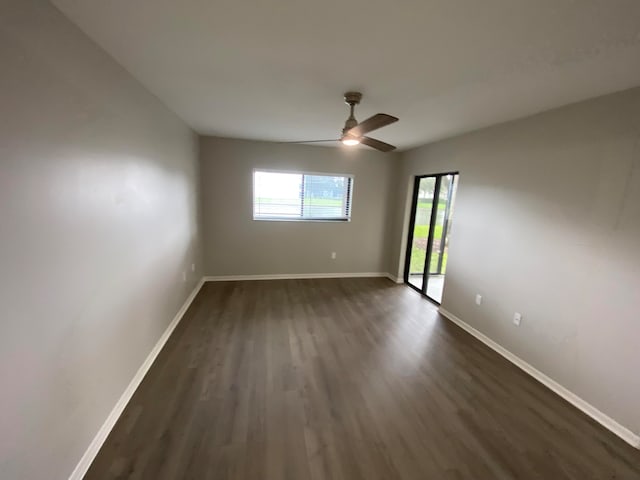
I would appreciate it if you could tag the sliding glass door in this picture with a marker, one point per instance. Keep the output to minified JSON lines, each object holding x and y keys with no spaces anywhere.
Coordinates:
{"x":423,"y":202}
{"x":430,"y":228}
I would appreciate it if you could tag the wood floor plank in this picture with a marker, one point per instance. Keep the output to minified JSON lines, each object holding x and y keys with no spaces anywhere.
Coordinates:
{"x":344,"y":379}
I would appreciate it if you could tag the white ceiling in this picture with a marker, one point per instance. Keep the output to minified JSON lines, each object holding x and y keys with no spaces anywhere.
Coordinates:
{"x":276,"y":69}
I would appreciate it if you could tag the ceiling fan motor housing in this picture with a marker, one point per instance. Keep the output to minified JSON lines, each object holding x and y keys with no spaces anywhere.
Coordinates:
{"x":352,"y":98}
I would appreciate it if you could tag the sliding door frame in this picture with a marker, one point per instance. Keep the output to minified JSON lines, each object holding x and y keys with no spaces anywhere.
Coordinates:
{"x":432,"y":221}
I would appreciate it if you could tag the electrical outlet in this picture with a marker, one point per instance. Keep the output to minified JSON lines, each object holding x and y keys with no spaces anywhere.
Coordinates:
{"x":478,"y":299}
{"x":517,"y":318}
{"x":333,"y":255}
{"x":193,"y":267}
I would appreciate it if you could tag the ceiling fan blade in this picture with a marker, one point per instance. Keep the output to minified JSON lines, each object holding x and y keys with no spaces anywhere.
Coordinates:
{"x":379,"y":120}
{"x":377,"y":144}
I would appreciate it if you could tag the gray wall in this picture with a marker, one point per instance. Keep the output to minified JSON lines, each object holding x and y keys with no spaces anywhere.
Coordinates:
{"x":235,"y":244}
{"x":547,"y":223}
{"x":98,"y":220}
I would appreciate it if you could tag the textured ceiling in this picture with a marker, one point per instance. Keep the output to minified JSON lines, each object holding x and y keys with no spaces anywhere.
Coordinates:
{"x":276,"y":69}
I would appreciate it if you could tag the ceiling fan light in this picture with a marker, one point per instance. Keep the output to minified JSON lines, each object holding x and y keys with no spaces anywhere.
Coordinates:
{"x":350,"y":142}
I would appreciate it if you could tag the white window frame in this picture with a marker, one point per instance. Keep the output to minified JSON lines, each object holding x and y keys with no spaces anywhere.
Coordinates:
{"x":301,"y":219}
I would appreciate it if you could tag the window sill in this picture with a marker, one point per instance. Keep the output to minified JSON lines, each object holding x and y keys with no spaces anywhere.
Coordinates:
{"x":311,"y":220}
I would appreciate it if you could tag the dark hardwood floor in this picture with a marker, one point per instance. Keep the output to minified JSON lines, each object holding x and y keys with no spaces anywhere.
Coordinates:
{"x":350,"y":379}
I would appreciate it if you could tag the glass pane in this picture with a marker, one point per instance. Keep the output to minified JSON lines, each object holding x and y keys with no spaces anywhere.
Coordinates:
{"x":276,"y":195}
{"x":325,"y":196}
{"x":441,"y":231}
{"x":421,"y":230}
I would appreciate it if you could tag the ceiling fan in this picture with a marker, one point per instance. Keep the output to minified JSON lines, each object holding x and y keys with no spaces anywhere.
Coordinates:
{"x":353,"y":132}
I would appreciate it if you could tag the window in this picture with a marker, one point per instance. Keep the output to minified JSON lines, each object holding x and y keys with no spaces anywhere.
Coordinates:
{"x":301,"y":196}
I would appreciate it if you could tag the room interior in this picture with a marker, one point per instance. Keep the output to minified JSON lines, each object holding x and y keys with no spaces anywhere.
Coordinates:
{"x":129,"y":136}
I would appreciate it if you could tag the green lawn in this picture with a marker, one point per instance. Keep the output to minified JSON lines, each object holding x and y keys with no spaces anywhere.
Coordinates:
{"x":331,"y":202}
{"x":426,"y":204}
{"x":421,"y":232}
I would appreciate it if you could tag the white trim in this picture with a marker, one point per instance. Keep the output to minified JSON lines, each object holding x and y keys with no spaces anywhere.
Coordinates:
{"x":303,"y":219}
{"x":395,"y":279}
{"x":95,"y":445}
{"x":293,"y":276}
{"x":609,"y":423}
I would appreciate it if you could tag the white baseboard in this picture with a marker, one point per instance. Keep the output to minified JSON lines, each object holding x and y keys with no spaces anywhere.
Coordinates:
{"x":293,"y":276}
{"x":395,"y":279}
{"x":95,"y":445}
{"x":603,"y":419}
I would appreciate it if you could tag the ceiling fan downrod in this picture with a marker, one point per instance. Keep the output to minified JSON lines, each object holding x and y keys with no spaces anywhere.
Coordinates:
{"x":352,"y":99}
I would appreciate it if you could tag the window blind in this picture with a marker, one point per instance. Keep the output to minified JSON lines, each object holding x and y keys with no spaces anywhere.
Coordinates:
{"x":301,"y":196}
